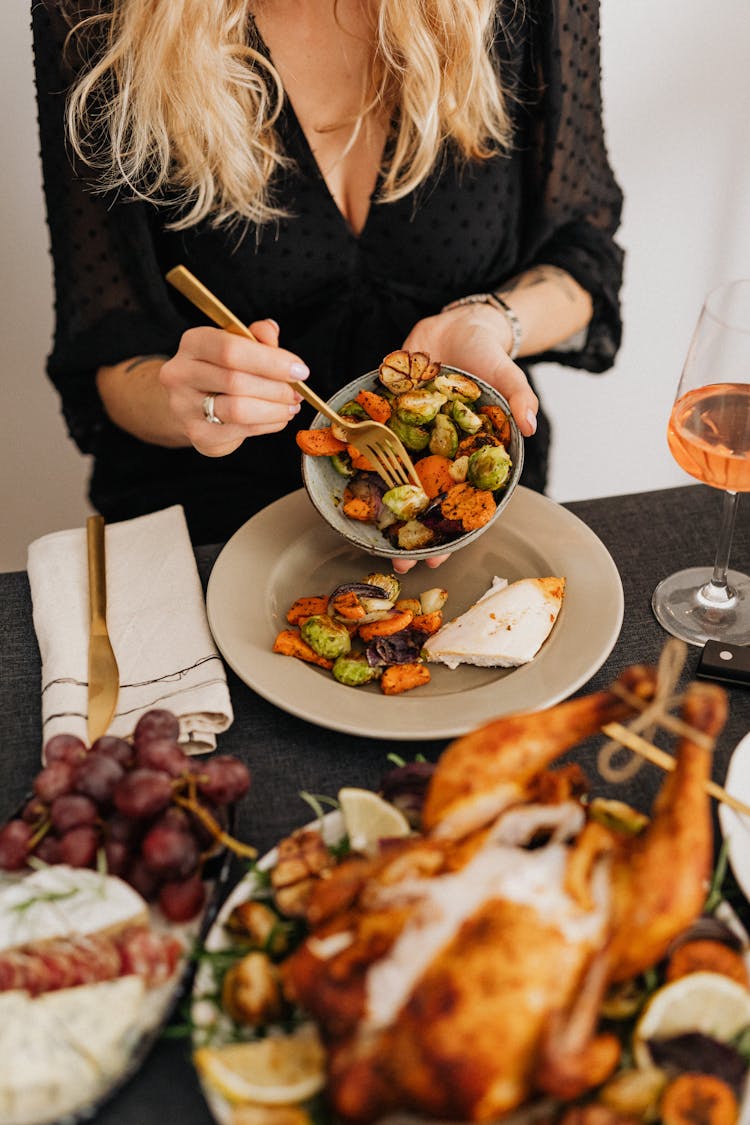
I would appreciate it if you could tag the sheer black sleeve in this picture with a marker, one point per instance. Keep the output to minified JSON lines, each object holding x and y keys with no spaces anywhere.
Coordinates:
{"x":111,"y":302}
{"x":574,"y":202}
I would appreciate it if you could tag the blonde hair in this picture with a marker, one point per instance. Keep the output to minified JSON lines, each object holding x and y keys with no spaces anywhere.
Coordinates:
{"x":179,"y":105}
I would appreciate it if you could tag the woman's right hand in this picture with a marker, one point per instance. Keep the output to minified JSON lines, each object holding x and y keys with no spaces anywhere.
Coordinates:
{"x":249,"y":379}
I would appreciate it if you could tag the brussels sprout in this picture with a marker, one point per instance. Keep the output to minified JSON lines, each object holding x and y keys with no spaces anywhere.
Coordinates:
{"x":418,"y":408}
{"x":353,"y":409}
{"x":342,"y":463}
{"x":459,"y":388}
{"x":489,"y":467}
{"x":325,"y":636}
{"x":465,"y":418}
{"x":388,"y":583}
{"x":413,"y":437}
{"x":414,"y":535}
{"x":354,"y":670}
{"x":406,"y":500}
{"x":444,"y":437}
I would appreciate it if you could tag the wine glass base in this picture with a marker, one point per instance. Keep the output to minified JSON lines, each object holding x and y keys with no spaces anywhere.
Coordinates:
{"x":688,"y":607}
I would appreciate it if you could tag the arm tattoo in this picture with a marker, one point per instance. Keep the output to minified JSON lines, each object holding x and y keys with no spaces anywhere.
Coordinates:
{"x":141,"y":359}
{"x":537,"y":276}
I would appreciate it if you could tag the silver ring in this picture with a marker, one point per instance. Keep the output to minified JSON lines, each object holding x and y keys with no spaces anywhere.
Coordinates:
{"x":208,"y":410}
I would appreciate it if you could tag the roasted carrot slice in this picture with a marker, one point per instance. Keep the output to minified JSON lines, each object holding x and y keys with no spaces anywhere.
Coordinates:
{"x":500,"y":421}
{"x":434,"y":473}
{"x":698,"y":1099}
{"x":319,"y":443}
{"x":428,"y":623}
{"x":403,"y":677}
{"x":387,"y":626}
{"x":306,"y":607}
{"x":359,"y":461}
{"x":347,"y":605}
{"x":355,"y":508}
{"x":474,"y":507}
{"x":290,"y":643}
{"x":374,"y":405}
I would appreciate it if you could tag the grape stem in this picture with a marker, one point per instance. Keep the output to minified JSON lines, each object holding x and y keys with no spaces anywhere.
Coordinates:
{"x":204,"y":816}
{"x":40,"y":832}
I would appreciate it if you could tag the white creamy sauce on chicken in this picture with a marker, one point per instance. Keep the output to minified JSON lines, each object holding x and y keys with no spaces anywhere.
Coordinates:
{"x":442,"y":904}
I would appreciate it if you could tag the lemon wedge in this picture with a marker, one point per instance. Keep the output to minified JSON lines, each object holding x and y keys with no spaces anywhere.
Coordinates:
{"x":706,"y":1002}
{"x":368,"y":818}
{"x":279,"y":1070}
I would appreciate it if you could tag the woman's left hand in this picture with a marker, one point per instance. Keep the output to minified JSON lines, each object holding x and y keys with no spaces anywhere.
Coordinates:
{"x":475,"y":338}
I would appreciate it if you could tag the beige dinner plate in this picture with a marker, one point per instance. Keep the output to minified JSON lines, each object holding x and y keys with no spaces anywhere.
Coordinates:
{"x":286,"y":551}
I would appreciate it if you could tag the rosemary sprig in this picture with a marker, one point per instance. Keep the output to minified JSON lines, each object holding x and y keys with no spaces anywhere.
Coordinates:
{"x":44,"y":896}
{"x":316,"y":802}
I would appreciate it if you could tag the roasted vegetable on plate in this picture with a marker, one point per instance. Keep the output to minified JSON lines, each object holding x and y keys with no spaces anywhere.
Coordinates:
{"x":362,"y":632}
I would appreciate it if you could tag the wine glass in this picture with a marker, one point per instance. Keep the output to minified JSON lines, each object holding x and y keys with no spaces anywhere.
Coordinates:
{"x":709,"y":437}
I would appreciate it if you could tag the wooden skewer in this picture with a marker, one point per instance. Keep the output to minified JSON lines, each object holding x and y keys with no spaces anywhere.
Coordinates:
{"x":665,"y":761}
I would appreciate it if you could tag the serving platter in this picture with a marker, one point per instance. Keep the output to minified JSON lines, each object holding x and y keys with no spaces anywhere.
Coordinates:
{"x":286,"y":551}
{"x":212,"y":1027}
{"x":735,"y":826}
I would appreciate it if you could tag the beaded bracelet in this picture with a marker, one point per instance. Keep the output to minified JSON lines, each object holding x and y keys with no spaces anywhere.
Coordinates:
{"x":502,"y":306}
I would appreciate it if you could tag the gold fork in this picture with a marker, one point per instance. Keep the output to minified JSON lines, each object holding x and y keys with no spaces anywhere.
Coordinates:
{"x":373,"y":440}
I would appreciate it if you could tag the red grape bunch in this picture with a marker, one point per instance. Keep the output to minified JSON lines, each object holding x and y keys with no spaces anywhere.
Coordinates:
{"x":149,"y":810}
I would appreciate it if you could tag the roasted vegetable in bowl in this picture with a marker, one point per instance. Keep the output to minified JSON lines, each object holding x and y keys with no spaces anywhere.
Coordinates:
{"x":388,"y":632}
{"x":466,"y":449}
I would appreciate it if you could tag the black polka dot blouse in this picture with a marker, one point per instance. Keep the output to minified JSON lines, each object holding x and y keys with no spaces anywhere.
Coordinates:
{"x":343,"y":300}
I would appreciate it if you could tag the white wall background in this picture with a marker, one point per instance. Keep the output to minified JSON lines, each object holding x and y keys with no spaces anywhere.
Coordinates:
{"x":677,"y":105}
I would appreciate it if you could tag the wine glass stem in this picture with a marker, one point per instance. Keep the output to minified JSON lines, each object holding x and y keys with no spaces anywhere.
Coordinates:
{"x":717,"y":589}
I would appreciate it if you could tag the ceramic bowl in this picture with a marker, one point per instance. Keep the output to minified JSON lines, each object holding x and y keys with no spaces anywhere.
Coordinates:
{"x":325,"y":486}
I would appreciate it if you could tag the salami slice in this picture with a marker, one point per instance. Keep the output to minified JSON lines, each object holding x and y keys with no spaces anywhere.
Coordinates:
{"x":151,"y":955}
{"x":47,"y":966}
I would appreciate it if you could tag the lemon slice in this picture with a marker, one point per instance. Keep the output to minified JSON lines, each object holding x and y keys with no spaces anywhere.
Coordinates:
{"x":368,"y":818}
{"x":279,"y":1070}
{"x":706,"y":1002}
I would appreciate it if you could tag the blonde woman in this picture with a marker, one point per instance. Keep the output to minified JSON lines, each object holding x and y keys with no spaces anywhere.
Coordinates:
{"x":349,"y":176}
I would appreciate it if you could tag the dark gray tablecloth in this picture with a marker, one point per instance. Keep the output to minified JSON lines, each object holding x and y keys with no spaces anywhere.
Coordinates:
{"x":649,"y":535}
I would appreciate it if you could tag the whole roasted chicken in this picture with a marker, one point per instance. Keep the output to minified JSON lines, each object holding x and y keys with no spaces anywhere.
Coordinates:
{"x":459,"y":973}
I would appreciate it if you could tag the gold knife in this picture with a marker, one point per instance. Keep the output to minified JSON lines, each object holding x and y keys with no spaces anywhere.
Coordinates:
{"x":104,"y":675}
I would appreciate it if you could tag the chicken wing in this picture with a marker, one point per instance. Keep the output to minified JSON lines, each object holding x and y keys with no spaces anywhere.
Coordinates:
{"x":485,"y":771}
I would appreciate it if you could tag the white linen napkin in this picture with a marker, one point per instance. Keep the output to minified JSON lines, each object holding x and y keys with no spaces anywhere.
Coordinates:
{"x":157,"y":623}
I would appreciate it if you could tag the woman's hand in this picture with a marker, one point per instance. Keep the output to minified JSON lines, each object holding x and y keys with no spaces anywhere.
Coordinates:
{"x":249,"y":379}
{"x":476,"y":338}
